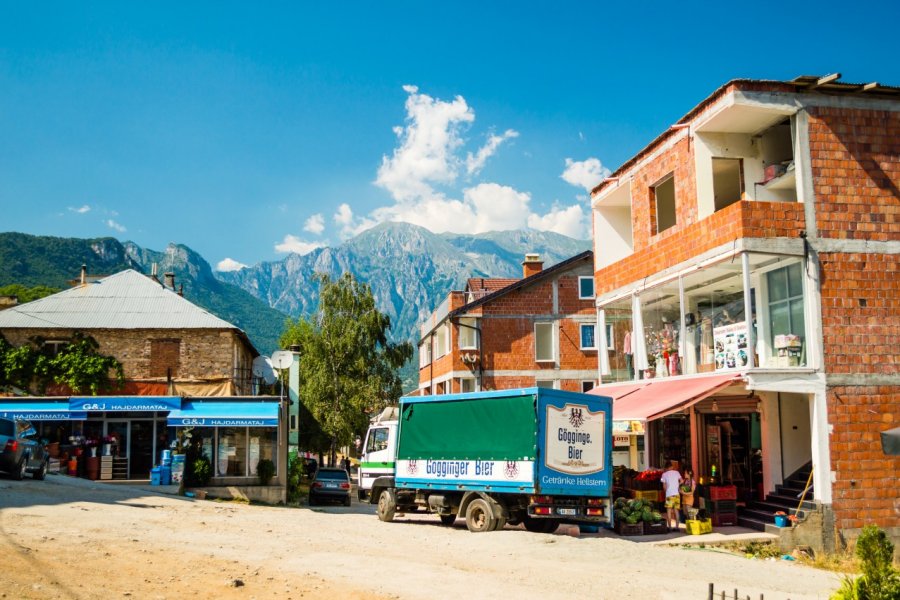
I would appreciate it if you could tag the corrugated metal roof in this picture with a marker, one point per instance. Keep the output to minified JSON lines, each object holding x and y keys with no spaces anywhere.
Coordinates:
{"x":126,"y":300}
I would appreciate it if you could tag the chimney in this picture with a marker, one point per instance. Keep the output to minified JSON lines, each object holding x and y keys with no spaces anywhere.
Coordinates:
{"x":180,"y":289}
{"x":154,"y":271}
{"x":169,"y":280}
{"x":532,"y":265}
{"x":83,"y":274}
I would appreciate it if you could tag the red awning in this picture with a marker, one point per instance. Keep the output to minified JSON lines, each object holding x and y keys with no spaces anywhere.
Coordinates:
{"x":656,"y":399}
{"x":618,"y":390}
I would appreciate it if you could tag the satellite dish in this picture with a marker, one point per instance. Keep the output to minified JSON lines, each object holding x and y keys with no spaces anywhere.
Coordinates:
{"x":262,"y":368}
{"x":282,"y":359}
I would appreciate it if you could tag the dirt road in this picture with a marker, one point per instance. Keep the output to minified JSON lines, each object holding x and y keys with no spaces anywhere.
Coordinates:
{"x":67,"y":538}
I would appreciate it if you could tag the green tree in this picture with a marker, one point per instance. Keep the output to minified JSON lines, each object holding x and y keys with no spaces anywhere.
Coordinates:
{"x":879,"y":579}
{"x":348,"y":366}
{"x":80,"y":366}
{"x":25,"y":294}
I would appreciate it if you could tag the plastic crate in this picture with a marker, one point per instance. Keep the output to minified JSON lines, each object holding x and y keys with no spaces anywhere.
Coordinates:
{"x":623,"y":528}
{"x":723,"y":506}
{"x":724,"y":519}
{"x":648,"y":495}
{"x":695,"y":527}
{"x":722,"y":492}
{"x":655,"y":528}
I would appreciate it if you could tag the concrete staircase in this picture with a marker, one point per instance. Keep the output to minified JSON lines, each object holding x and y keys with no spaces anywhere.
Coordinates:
{"x":785,"y":498}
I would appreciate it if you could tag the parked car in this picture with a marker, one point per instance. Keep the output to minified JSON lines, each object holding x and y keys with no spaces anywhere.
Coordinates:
{"x":330,"y":484}
{"x":21,"y":451}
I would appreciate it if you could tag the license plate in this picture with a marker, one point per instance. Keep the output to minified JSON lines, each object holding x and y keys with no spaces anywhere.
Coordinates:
{"x":331,"y":485}
{"x":566,"y":511}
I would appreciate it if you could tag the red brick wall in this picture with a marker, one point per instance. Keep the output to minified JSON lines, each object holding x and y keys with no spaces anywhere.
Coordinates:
{"x":865,"y":490}
{"x":684,"y":241}
{"x":861,"y":313}
{"x":855,"y":157}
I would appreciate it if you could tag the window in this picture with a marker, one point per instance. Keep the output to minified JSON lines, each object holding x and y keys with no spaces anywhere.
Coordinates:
{"x":466,"y":384}
{"x":786,"y":318}
{"x":663,"y":196}
{"x":468,"y":334}
{"x":728,"y":181}
{"x":378,"y":440}
{"x":442,"y":342}
{"x":165,"y":357}
{"x":587,"y":386}
{"x":263,"y":444}
{"x":588,"y":338}
{"x":232,"y":452}
{"x":425,"y":353}
{"x":585,"y":288}
{"x":545,"y":383}
{"x":544,"y":344}
{"x":54,"y":347}
{"x":610,"y":338}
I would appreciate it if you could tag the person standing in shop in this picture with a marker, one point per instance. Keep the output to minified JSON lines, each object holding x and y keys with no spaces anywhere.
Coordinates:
{"x":670,"y":481}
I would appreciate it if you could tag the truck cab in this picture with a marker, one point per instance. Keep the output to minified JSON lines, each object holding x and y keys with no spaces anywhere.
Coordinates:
{"x":379,"y":451}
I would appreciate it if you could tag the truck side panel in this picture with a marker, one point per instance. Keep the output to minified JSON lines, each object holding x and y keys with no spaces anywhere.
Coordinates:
{"x":486,"y":443}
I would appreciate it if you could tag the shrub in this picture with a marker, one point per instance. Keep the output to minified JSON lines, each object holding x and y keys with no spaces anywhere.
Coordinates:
{"x":265,"y":469}
{"x":201,"y":471}
{"x":296,"y":470}
{"x":879,"y":579}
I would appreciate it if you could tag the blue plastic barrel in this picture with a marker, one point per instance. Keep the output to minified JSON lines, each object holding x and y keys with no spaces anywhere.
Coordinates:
{"x":155,"y":476}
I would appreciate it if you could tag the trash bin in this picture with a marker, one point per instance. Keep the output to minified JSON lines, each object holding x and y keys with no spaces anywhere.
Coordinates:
{"x":154,"y":476}
{"x":165,"y":475}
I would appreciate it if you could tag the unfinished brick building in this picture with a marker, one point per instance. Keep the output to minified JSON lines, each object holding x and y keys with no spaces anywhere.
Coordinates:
{"x":746,"y":271}
{"x":509,"y":333}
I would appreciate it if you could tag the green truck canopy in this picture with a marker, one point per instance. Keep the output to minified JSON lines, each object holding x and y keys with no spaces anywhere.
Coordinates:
{"x":501,"y":428}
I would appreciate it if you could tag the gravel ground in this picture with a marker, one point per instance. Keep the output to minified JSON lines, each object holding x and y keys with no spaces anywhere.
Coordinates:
{"x":69,"y":538}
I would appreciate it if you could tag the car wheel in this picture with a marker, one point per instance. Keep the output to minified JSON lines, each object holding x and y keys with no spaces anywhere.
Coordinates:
{"x":448,"y":519}
{"x":480,"y":517}
{"x":41,"y":473}
{"x":387,"y":505}
{"x":19,"y":473}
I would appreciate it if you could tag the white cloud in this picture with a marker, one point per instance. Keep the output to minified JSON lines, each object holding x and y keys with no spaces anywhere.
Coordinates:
{"x":80,"y":210}
{"x":315,"y":224}
{"x":292,"y":243}
{"x":475,"y":163}
{"x":113,"y":225}
{"x":229,"y":264}
{"x":586,"y":174}
{"x":344,"y":214}
{"x":428,"y":144}
{"x":571,"y":221}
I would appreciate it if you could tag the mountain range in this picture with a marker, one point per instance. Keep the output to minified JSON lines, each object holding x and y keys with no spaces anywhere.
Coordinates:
{"x":409,"y":268}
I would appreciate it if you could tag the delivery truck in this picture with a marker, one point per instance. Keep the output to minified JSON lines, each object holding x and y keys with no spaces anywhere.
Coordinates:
{"x":534,"y":456}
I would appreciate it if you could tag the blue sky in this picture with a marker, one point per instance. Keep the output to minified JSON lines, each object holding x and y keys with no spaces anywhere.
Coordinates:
{"x":246,"y":131}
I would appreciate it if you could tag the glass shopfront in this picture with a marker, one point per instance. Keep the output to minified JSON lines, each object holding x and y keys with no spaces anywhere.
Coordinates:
{"x":697,"y":322}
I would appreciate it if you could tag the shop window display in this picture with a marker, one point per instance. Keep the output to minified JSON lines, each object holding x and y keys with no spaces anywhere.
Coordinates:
{"x":231,"y":455}
{"x":262,"y":445}
{"x":619,"y":341}
{"x":661,"y":313}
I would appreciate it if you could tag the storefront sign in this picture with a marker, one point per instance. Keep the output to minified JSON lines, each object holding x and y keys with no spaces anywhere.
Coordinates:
{"x":124,"y":403}
{"x":198,"y":413}
{"x":621,"y":440}
{"x":61,"y":415}
{"x":221,"y":422}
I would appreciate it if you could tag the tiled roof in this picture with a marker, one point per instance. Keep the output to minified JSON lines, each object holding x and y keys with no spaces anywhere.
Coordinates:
{"x":126,"y":300}
{"x":480,"y":284}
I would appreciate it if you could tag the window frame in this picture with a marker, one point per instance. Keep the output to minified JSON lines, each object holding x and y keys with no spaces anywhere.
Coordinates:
{"x":553,"y":342}
{"x":593,"y":288}
{"x":470,"y":326}
{"x":581,"y":327}
{"x":654,"y":195}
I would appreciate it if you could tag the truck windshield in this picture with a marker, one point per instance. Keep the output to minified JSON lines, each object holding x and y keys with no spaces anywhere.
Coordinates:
{"x":378,"y":440}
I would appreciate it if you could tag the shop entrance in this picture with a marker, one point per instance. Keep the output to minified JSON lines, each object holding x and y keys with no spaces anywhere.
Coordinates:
{"x":136,"y":444}
{"x":731,"y":443}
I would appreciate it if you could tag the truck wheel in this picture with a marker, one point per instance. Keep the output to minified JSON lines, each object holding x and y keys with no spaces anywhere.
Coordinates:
{"x":448,"y":519}
{"x":387,"y":505}
{"x":540,"y":525}
{"x":501,"y":523}
{"x":480,"y":517}
{"x":19,"y":473}
{"x":41,"y":473}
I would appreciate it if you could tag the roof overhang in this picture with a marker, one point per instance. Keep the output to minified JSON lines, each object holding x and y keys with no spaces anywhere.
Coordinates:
{"x":746,"y":112}
{"x":618,"y":196}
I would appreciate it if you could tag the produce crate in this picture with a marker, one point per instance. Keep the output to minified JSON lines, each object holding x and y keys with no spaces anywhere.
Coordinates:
{"x":648,"y":495}
{"x":623,"y":528}
{"x":695,"y":527}
{"x":724,"y":519}
{"x":722,"y":492}
{"x":723,"y":506}
{"x":655,"y":528}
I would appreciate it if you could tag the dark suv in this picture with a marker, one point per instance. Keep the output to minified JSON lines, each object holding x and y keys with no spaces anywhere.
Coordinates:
{"x":330,"y":484}
{"x":20,"y":450}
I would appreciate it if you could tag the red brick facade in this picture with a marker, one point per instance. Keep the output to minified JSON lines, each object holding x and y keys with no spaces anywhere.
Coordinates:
{"x":506,"y":355}
{"x":854,"y":163}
